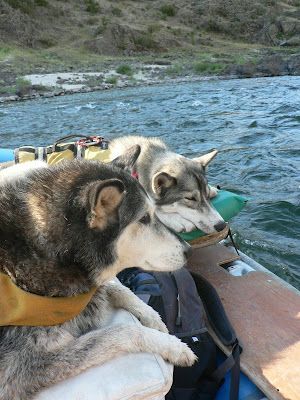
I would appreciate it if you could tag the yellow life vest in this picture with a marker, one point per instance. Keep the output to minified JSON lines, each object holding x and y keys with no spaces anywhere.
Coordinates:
{"x":87,"y":147}
{"x":18,"y":307}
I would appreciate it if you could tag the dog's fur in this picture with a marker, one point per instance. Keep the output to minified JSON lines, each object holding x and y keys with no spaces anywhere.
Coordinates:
{"x":64,"y":229}
{"x":177,"y":184}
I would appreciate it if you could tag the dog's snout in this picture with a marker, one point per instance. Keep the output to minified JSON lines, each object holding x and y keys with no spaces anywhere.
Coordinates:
{"x":220,"y":226}
{"x":187,"y":250}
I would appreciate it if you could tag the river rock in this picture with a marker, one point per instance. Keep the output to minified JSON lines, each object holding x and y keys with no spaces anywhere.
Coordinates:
{"x":294,"y":65}
{"x":162,"y":62}
{"x":8,"y":98}
{"x":273,"y":65}
{"x":247,"y":70}
{"x":49,"y":94}
{"x":289,"y":26}
{"x":293,"y":41}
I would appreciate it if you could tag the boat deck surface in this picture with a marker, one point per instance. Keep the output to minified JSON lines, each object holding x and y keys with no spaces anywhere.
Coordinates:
{"x":265,"y":314}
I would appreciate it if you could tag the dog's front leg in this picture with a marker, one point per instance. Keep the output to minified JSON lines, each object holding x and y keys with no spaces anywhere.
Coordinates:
{"x":35,"y":370}
{"x":121,"y":297}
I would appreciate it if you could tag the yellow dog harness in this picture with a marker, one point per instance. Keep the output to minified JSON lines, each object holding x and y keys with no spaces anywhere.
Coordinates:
{"x":18,"y":307}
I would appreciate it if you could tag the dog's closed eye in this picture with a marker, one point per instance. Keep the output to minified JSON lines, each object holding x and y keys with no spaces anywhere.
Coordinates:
{"x":192,"y":198}
{"x":145,"y":219}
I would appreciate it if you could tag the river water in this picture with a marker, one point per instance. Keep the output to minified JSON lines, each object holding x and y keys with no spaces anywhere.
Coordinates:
{"x":254,"y":123}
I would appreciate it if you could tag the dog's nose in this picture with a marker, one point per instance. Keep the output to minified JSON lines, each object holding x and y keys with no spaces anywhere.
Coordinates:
{"x":220,"y":226}
{"x":187,"y":250}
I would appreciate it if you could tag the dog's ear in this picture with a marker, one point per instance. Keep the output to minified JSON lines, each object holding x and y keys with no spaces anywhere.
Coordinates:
{"x":128,"y":159}
{"x":161,"y":182}
{"x":104,"y":199}
{"x":207,"y":158}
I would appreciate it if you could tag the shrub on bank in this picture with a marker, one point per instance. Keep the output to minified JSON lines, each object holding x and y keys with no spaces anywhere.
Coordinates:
{"x":23,"y":87}
{"x":124,"y":69}
{"x":145,"y":42}
{"x":204,"y":67}
{"x":117,"y":12}
{"x":174,"y":70}
{"x":27,"y":6}
{"x":7,"y":90}
{"x":112,"y":80}
{"x":92,"y":6}
{"x":168,"y":10}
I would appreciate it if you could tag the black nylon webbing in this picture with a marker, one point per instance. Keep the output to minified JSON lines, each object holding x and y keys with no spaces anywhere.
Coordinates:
{"x":232,"y":363}
{"x":233,"y":242}
{"x":214,"y":310}
{"x":235,"y":372}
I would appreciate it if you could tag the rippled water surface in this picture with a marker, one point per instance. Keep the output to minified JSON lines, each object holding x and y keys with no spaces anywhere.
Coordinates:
{"x":254,"y":123}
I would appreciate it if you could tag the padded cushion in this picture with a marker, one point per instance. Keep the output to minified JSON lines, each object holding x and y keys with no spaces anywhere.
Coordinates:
{"x":128,"y":377}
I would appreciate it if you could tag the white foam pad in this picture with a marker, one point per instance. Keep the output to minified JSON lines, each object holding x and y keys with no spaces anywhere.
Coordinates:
{"x":128,"y":377}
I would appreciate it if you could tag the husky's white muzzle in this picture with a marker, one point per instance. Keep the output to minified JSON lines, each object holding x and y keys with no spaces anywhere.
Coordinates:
{"x":181,"y":218}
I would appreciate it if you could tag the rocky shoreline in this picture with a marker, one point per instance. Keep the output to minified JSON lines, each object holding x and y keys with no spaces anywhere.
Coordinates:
{"x":36,"y":86}
{"x":105,"y":86}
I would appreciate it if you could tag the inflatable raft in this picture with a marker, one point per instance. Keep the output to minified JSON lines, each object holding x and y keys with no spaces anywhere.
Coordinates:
{"x":262,"y":308}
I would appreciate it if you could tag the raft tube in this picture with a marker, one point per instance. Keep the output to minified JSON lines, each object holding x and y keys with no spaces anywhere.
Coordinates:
{"x":6,"y":155}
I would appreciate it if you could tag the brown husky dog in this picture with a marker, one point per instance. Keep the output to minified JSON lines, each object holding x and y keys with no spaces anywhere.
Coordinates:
{"x":63,"y":230}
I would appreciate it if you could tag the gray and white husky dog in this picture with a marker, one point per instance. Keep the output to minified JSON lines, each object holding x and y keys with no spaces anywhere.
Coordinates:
{"x":177,"y":184}
{"x":63,"y":230}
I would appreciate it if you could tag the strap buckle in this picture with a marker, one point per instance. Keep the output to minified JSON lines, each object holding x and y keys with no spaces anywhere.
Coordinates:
{"x":90,"y":141}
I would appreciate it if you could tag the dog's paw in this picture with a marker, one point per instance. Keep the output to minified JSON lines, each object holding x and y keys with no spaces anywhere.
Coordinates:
{"x":168,"y":346}
{"x":181,"y":355}
{"x":151,"y":319}
{"x":213,"y":191}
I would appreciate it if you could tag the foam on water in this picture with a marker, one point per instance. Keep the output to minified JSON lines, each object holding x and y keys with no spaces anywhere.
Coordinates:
{"x":255,"y":123}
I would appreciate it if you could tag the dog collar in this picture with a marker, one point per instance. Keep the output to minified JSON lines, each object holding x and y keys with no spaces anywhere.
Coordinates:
{"x":135,"y":175}
{"x":18,"y":307}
